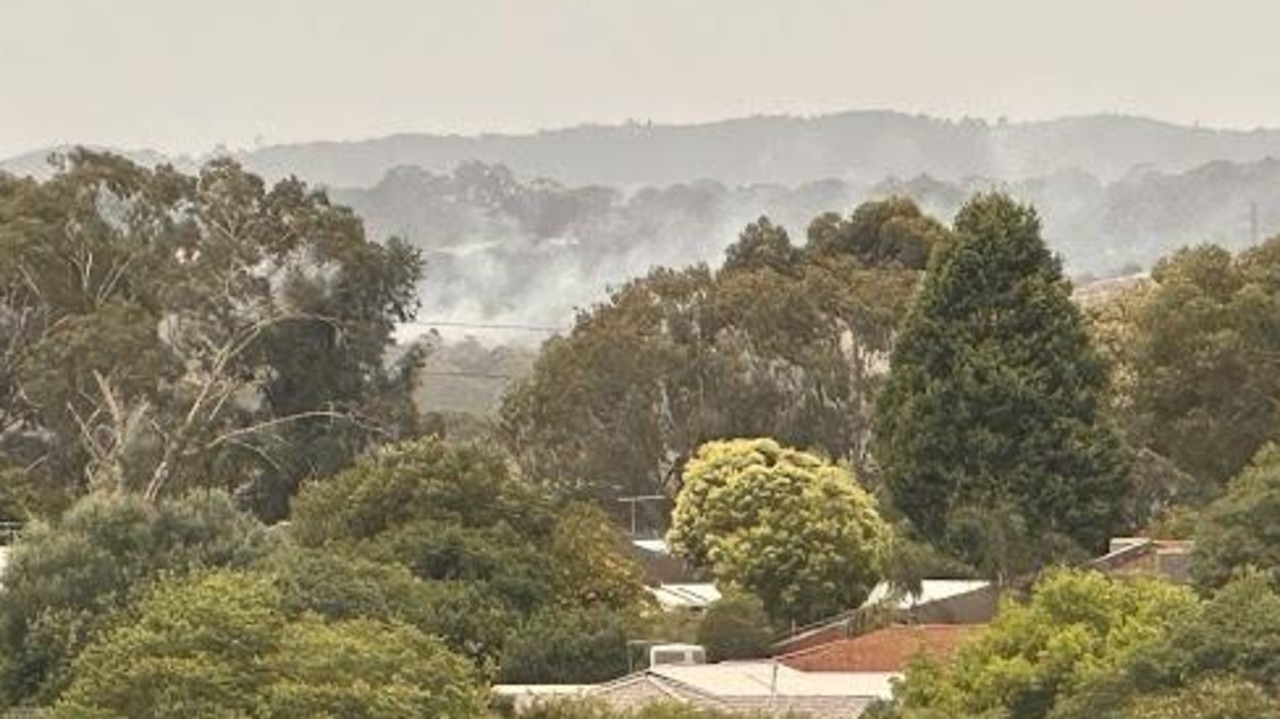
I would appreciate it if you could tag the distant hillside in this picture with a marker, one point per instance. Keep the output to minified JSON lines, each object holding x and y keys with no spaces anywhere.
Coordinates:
{"x":503,"y":245}
{"x":859,"y":146}
{"x":503,"y":249}
{"x":863,"y":146}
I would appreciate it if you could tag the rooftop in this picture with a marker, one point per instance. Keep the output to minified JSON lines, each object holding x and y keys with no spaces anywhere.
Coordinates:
{"x":885,"y":650}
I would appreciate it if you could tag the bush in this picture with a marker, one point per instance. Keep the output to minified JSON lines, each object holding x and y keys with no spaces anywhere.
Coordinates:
{"x":67,"y":579}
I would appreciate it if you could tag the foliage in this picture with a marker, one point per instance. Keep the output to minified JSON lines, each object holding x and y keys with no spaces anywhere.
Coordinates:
{"x":559,"y":646}
{"x":23,"y":497}
{"x":1207,"y":338}
{"x":491,"y":549}
{"x":67,"y":579}
{"x":786,"y":526}
{"x":1077,"y":625}
{"x":221,"y":645}
{"x":1208,"y":699}
{"x":1234,"y":637}
{"x":782,"y":342}
{"x":161,"y":330}
{"x":994,"y":407}
{"x":735,"y":627}
{"x":336,"y":586}
{"x":1241,"y":529}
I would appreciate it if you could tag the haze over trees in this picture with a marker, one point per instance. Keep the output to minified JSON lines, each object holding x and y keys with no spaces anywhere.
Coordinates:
{"x":783,"y":341}
{"x":188,"y":358}
{"x":160,"y":329}
{"x":596,"y":206}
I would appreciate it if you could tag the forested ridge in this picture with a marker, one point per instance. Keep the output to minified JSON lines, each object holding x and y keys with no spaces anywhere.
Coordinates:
{"x":233,"y":505}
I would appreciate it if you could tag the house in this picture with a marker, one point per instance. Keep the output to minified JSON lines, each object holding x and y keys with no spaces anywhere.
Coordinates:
{"x":1143,"y":556}
{"x":758,"y":688}
{"x":939,"y":601}
{"x":890,"y":649}
{"x":694,"y":597}
{"x":659,"y":564}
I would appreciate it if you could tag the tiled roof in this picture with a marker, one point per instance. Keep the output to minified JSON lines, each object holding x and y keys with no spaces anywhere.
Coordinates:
{"x":757,"y":688}
{"x":940,"y":601}
{"x":886,"y":650}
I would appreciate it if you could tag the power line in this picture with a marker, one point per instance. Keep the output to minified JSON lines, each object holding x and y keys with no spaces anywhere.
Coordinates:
{"x":486,"y":326}
{"x":462,"y":373}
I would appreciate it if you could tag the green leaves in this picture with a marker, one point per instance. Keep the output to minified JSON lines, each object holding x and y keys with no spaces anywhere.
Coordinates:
{"x":66,"y":580}
{"x":163,"y":331}
{"x":783,"y":341}
{"x":488,"y":555}
{"x":1241,"y":530}
{"x":1076,"y":626}
{"x":994,"y":404}
{"x":1207,"y":339}
{"x":781,"y":524}
{"x":221,"y":645}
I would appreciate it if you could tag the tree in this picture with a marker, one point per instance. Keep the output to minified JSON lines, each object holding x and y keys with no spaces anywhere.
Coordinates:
{"x":887,"y":233}
{"x":1241,"y":529}
{"x":994,"y":406}
{"x":220,"y":645}
{"x":1208,"y":699}
{"x":794,"y":530}
{"x":338,"y":586}
{"x":783,"y":342}
{"x":568,"y":646}
{"x":1231,"y":641}
{"x":161,"y":330}
{"x":367,"y":670}
{"x":456,"y":519}
{"x":67,"y":580}
{"x":735,"y":627}
{"x":1077,"y":625}
{"x":1207,"y":340}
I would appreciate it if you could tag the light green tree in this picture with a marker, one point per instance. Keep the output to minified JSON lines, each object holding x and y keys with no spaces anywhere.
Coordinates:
{"x":784,"y":525}
{"x":222,"y":645}
{"x":1225,"y":651}
{"x":1077,"y":625}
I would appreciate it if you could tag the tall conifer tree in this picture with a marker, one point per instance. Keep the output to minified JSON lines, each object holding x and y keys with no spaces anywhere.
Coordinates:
{"x":989,"y":430}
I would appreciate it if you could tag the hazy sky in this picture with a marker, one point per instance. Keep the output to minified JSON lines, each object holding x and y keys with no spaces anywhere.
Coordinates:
{"x":184,"y":75}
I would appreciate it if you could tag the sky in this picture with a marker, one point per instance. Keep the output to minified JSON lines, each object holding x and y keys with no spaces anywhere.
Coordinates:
{"x":183,"y":76}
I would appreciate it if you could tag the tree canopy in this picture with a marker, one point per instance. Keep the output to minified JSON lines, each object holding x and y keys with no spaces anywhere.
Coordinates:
{"x":991,"y":430}
{"x":784,"y":525}
{"x":1241,"y":529}
{"x":490,"y":546}
{"x":160,"y":330}
{"x":1077,"y":625}
{"x":783,"y":341}
{"x":67,"y":579}
{"x":222,"y":645}
{"x":1204,"y":359}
